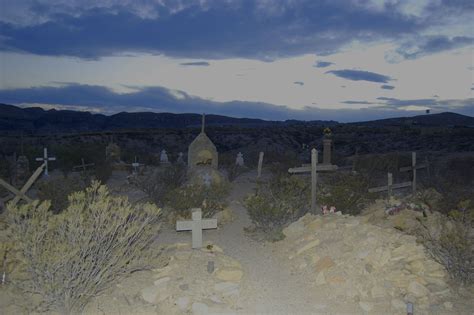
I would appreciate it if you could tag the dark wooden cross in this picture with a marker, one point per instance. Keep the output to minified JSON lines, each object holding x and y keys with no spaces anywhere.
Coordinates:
{"x":413,"y":169}
{"x":83,"y":166}
{"x":390,"y":186}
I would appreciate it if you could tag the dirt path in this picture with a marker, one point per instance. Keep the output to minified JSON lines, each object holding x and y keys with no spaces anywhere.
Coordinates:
{"x":268,"y":286}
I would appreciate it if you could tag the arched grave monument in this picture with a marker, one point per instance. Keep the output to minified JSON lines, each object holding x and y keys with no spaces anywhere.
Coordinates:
{"x":203,"y":159}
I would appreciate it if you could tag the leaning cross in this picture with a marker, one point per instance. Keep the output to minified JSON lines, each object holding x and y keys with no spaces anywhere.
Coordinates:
{"x":196,"y":226}
{"x":21,"y":194}
{"x":45,"y":160}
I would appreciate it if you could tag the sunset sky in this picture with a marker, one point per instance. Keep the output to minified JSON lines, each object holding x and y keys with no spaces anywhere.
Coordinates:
{"x":346,"y":60}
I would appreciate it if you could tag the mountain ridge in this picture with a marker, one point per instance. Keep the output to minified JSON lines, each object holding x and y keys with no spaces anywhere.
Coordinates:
{"x":38,"y":120}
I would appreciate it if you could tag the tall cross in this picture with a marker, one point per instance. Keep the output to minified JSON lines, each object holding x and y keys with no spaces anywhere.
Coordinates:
{"x":196,"y":226}
{"x":45,"y":160}
{"x":136,"y":165}
{"x":203,"y":122}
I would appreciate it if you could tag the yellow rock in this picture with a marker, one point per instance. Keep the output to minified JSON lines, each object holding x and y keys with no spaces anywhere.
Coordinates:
{"x":324,"y":263}
{"x":229,"y":275}
{"x":307,"y":247}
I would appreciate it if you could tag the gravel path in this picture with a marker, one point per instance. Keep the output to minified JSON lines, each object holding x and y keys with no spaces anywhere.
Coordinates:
{"x":268,"y":286}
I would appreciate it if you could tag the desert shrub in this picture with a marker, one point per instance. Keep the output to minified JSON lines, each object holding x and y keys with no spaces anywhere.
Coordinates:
{"x":210,"y":199}
{"x":160,"y":181}
{"x":57,"y":190}
{"x":278,"y":202}
{"x":347,"y":192}
{"x":77,"y":254}
{"x":452,"y":245}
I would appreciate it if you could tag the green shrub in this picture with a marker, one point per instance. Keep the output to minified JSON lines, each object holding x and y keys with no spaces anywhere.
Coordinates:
{"x":210,"y":199}
{"x":57,"y":190}
{"x":159,"y":182}
{"x":347,"y":192}
{"x":281,"y":201}
{"x":77,"y":254}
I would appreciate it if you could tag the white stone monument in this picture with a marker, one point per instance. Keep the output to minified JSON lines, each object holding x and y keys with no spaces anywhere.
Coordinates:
{"x":239,"y":161}
{"x":196,"y":226}
{"x":164,"y":157}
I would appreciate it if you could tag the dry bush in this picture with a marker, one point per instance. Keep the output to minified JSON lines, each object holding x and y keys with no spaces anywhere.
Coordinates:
{"x":77,"y":254}
{"x":160,"y":181}
{"x":283,"y":200}
{"x":452,"y":245}
{"x":210,"y":199}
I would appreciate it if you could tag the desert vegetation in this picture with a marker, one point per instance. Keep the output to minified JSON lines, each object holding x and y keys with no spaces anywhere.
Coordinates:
{"x":72,"y":256}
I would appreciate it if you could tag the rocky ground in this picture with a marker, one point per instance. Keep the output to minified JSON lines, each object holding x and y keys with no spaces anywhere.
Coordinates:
{"x":332,"y":264}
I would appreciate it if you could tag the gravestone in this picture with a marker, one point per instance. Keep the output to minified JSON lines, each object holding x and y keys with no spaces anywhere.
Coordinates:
{"x":164,"y":157}
{"x":196,"y":225}
{"x":327,"y":151}
{"x":203,"y":160}
{"x":239,"y":161}
{"x":202,"y":151}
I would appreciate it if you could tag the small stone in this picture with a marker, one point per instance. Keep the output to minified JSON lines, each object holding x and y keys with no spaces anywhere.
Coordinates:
{"x":369,"y":268}
{"x":214,"y":298}
{"x":225,"y":286}
{"x":320,"y":279}
{"x":183,"y":302}
{"x":307,"y":247}
{"x":336,"y":280}
{"x":149,"y":294}
{"x":162,"y":283}
{"x":448,"y":305}
{"x":366,"y":306}
{"x":324,"y":263}
{"x":417,"y":289}
{"x":398,"y":304}
{"x":200,"y":308}
{"x":377,"y":292}
{"x":229,"y":275}
{"x":184,"y":286}
{"x":210,"y":266}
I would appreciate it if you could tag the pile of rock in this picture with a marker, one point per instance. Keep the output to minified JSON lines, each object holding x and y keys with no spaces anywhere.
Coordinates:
{"x":195,"y":281}
{"x":380,"y":269}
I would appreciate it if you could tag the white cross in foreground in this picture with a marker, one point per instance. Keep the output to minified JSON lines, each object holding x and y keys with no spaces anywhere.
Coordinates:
{"x":196,"y":226}
{"x":45,"y":160}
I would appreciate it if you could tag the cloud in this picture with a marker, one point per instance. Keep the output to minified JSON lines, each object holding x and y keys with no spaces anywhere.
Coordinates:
{"x":323,"y":64}
{"x":358,"y":102}
{"x":387,"y":87}
{"x":199,"y":29}
{"x":358,"y":75}
{"x":428,"y":45}
{"x":298,"y":83}
{"x":464,"y":106}
{"x":196,"y":63}
{"x":159,"y":99}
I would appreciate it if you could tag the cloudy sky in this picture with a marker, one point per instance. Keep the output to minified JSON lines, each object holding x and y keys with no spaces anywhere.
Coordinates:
{"x":346,"y":60}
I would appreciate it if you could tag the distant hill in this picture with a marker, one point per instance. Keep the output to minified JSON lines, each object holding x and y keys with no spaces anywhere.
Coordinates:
{"x":38,"y":120}
{"x":445,"y":119}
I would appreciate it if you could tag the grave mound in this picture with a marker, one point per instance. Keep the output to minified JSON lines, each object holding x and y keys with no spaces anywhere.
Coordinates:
{"x":381,"y":269}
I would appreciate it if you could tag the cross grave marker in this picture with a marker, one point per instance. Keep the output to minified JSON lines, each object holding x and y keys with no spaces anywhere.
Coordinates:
{"x":45,"y":159}
{"x":21,"y":194}
{"x":83,"y":167}
{"x":196,"y":225}
{"x":390,"y":186}
{"x":413,"y":169}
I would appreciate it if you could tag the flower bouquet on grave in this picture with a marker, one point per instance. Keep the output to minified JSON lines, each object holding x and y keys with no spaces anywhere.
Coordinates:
{"x":325,"y":209}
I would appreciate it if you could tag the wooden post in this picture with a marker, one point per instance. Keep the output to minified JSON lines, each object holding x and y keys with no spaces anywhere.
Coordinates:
{"x":413,"y":165}
{"x":260,"y":163}
{"x":390,"y":183}
{"x":314,"y":179}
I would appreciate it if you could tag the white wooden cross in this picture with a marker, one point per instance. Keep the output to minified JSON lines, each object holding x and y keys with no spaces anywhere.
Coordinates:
{"x":196,"y":226}
{"x":45,"y":160}
{"x":21,"y":194}
{"x":136,"y":165}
